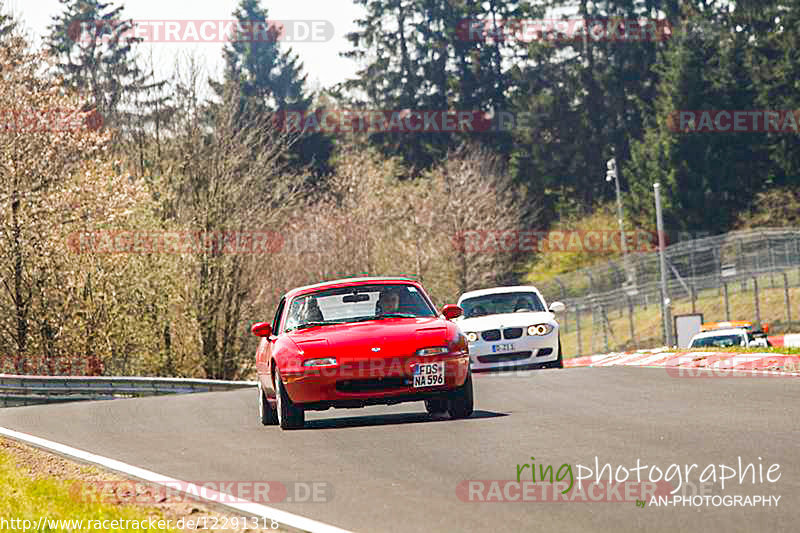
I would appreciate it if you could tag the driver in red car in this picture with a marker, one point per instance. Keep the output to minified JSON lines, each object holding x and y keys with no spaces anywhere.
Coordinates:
{"x":389,"y":302}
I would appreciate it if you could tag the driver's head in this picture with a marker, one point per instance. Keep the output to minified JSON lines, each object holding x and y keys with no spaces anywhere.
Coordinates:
{"x":521,"y":304}
{"x":390,"y":302}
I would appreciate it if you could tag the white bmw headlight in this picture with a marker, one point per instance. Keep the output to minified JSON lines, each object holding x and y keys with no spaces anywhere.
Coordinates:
{"x":472,"y":337}
{"x":540,"y":329}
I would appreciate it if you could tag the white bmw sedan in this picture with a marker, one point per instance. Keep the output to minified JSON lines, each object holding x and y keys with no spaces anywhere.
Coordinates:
{"x":510,"y":327}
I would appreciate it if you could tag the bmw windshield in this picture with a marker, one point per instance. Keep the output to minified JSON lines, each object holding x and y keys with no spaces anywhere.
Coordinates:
{"x":499,"y":303}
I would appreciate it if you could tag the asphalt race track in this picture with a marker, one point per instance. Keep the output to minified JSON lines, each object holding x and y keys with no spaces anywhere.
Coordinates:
{"x":395,"y":469}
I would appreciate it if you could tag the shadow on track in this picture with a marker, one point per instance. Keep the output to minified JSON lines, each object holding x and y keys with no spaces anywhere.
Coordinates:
{"x":513,"y":369}
{"x":384,"y":420}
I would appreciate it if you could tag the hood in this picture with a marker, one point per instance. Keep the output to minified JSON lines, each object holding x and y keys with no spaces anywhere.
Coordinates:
{"x":396,"y":337}
{"x":505,"y":320}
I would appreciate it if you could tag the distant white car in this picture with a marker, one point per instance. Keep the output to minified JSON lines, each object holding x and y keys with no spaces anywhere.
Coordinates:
{"x":728,"y":334}
{"x":509,"y":327}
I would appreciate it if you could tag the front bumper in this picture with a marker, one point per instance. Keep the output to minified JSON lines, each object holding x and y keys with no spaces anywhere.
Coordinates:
{"x":370,"y":382}
{"x":527,"y":350}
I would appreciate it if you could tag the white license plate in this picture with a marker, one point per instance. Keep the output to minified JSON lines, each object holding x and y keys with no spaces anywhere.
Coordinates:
{"x":498,"y":348}
{"x":428,"y":374}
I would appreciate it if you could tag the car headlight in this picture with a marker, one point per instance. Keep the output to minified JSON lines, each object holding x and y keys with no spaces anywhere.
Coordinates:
{"x":472,"y":337}
{"x":540,"y":329}
{"x":325,"y":361}
{"x":433,"y":350}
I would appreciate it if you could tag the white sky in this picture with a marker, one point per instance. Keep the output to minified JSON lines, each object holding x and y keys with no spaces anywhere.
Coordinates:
{"x":321,"y":61}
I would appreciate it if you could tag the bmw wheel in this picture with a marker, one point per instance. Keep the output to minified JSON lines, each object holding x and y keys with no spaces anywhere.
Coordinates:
{"x":560,"y":361}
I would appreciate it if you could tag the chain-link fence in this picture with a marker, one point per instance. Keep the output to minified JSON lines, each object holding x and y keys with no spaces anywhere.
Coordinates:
{"x":743,"y":275}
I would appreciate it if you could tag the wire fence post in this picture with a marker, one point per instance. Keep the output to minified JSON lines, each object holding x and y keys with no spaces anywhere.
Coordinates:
{"x":755,"y":298}
{"x":563,"y":297}
{"x":630,"y":321}
{"x":578,"y":327}
{"x":727,"y":303}
{"x":786,"y":299}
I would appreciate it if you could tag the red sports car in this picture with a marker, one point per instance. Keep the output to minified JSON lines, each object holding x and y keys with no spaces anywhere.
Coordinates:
{"x":357,"y":342}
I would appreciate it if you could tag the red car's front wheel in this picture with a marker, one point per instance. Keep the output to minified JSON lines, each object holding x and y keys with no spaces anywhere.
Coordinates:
{"x":436,"y":406}
{"x":289,"y":415}
{"x":460,"y":403}
{"x":266,"y":413}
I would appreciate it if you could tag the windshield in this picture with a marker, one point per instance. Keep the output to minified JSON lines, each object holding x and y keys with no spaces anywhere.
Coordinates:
{"x":504,"y":302}
{"x":357,"y":304}
{"x":719,"y":341}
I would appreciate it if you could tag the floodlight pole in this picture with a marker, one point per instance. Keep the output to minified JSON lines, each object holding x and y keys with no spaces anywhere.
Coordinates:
{"x":613,"y":173}
{"x":665,"y":303}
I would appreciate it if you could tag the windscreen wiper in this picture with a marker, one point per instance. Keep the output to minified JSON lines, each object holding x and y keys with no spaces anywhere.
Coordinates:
{"x":312,"y":325}
{"x":385,"y":315}
{"x":395,"y":315}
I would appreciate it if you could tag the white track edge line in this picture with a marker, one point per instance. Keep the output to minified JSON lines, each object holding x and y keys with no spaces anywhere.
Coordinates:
{"x":255,"y":509}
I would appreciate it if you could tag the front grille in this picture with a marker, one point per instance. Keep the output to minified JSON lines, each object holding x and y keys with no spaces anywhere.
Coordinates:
{"x":491,"y":335}
{"x":372,"y":385}
{"x":503,"y":357}
{"x":512,"y":333}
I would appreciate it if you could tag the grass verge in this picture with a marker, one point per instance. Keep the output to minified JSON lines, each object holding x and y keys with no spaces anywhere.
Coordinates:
{"x":37,"y":485}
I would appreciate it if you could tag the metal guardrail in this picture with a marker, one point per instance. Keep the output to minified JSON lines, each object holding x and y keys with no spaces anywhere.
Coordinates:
{"x":18,"y":390}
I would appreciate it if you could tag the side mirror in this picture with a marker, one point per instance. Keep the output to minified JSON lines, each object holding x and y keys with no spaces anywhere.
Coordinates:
{"x":557,"y":307}
{"x":452,"y":311}
{"x":261,"y":329}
